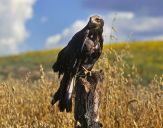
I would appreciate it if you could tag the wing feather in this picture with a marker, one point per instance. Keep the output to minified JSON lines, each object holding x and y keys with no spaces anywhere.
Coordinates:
{"x":68,"y":58}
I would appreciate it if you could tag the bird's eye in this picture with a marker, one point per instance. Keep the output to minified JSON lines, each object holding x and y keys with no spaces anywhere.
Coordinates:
{"x":97,"y":19}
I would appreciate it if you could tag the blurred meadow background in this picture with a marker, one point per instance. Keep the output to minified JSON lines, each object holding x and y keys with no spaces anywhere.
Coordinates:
{"x":32,"y":32}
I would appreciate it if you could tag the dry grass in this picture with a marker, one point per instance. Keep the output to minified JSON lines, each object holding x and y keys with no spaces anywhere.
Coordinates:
{"x":125,"y":103}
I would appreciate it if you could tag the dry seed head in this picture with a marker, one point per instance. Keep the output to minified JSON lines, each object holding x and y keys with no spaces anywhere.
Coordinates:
{"x":42,"y":73}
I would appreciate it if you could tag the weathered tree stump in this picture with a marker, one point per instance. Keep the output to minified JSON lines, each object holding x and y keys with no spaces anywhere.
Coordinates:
{"x":87,"y":100}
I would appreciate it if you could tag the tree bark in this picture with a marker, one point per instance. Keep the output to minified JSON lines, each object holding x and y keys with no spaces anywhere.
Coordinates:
{"x":87,"y":100}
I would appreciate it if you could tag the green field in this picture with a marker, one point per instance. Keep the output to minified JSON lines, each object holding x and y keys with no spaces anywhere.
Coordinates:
{"x":146,"y":56}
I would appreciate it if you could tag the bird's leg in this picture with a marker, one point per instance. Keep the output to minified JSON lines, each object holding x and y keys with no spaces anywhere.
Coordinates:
{"x":87,"y":71}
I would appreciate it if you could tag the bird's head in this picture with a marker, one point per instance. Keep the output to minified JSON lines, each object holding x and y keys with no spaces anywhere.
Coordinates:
{"x":95,"y":22}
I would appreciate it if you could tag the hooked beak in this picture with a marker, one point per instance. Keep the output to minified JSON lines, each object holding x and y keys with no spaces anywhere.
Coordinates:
{"x":102,"y":22}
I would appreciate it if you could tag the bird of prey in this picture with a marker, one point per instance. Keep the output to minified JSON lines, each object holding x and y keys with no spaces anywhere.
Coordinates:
{"x":77,"y":58}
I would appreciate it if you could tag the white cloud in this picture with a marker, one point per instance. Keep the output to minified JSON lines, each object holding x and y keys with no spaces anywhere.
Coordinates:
{"x":125,"y":23}
{"x":159,"y":37}
{"x":53,"y":40}
{"x":148,"y":24}
{"x":65,"y":36}
{"x":13,"y":17}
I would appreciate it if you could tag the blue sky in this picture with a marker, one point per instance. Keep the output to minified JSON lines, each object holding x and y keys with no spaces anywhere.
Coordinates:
{"x":44,"y":24}
{"x":58,"y":16}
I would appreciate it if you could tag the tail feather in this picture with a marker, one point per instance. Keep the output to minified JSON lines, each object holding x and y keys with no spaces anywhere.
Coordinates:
{"x":64,"y":94}
{"x":65,"y":104}
{"x":55,"y":97}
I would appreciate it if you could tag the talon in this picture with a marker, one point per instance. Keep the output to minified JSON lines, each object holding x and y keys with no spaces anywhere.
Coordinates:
{"x":86,"y":71}
{"x":89,"y":73}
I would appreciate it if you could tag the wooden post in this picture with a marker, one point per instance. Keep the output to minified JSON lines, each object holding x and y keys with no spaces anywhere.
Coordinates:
{"x":87,"y":100}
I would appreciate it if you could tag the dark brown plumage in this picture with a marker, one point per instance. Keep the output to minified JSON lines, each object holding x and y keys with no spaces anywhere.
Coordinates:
{"x":77,"y":57}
